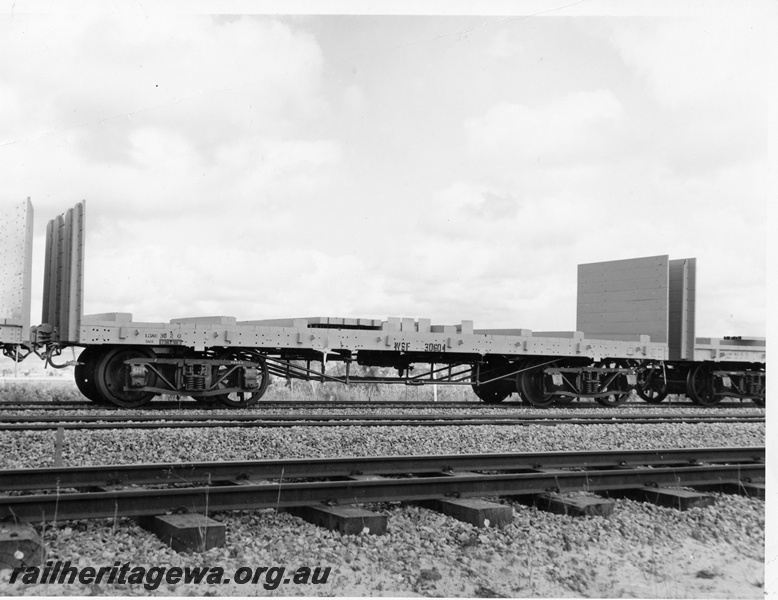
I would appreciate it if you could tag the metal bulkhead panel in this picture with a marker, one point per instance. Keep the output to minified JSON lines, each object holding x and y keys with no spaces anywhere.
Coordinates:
{"x":63,"y":279}
{"x":16,"y":273}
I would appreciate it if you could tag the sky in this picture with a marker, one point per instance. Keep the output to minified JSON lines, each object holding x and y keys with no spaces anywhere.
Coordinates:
{"x":370,"y":165}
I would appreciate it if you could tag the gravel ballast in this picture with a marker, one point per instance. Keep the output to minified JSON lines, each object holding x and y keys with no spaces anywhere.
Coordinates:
{"x":121,"y":446}
{"x":640,"y":551}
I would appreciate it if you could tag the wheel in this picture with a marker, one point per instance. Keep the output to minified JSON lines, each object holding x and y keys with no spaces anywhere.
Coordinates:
{"x":700,"y":386}
{"x":494,"y":392}
{"x":490,"y":394}
{"x":111,"y":375}
{"x":533,"y":387}
{"x":652,"y":385}
{"x":84,"y":374}
{"x":232,"y":379}
{"x":613,"y":399}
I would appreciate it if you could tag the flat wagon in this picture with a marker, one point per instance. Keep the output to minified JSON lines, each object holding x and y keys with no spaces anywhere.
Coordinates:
{"x":635,"y":330}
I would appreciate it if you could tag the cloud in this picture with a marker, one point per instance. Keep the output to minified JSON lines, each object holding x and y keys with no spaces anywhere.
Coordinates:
{"x":258,"y":180}
{"x":708,"y":78}
{"x":192,"y":139}
{"x":165,"y":113}
{"x":212,"y":80}
{"x":160,"y":282}
{"x":354,"y":98}
{"x":505,"y":44}
{"x":688,"y":62}
{"x":568,"y":128}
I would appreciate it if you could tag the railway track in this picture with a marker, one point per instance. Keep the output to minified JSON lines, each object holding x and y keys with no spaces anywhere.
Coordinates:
{"x":51,"y":405}
{"x":209,"y":420}
{"x":290,"y":483}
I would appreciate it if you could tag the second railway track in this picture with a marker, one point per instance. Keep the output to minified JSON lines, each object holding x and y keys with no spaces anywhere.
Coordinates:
{"x":289,"y":483}
{"x":209,"y":420}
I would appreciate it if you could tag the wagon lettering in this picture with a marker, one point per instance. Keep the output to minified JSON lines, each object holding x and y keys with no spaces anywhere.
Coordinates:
{"x":402,"y":346}
{"x":434,"y":347}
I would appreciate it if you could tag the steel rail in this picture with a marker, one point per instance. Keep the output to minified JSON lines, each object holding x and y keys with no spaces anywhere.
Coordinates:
{"x":43,"y":423}
{"x":187,"y":404}
{"x":193,"y":472}
{"x":264,"y":404}
{"x":252,"y":417}
{"x":114,"y":504}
